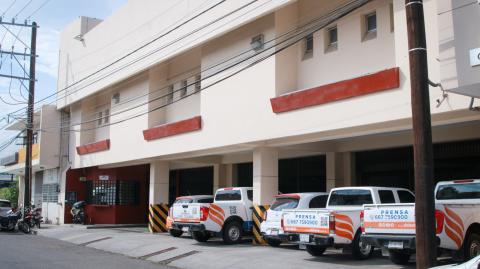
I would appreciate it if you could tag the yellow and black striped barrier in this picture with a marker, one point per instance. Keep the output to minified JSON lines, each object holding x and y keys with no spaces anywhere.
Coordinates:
{"x":258,"y":213}
{"x":157,"y":218}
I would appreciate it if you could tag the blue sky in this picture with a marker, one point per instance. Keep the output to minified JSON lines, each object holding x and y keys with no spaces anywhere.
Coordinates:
{"x":51,"y":18}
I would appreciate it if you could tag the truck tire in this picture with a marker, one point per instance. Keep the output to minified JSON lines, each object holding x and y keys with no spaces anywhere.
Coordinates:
{"x":273,"y":242}
{"x":472,"y":245}
{"x":361,"y":250}
{"x":201,"y":236}
{"x":232,"y":232}
{"x":175,"y":233}
{"x":315,"y":250}
{"x":399,"y":257}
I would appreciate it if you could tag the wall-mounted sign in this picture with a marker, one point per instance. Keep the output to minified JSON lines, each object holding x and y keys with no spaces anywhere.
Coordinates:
{"x":475,"y":57}
{"x":82,"y":179}
{"x":103,"y":177}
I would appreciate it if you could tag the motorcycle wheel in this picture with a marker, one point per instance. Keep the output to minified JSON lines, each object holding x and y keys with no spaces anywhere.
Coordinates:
{"x":24,"y":227}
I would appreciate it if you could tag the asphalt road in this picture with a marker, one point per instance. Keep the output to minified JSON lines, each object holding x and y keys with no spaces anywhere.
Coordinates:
{"x":30,"y":251}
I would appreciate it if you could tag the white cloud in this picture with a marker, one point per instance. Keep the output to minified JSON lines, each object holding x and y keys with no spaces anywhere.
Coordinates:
{"x":47,"y":49}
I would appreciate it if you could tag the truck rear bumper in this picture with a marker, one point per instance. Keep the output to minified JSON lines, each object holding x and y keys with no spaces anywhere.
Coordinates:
{"x":282,"y":237}
{"x":392,"y":241}
{"x":190,"y":227}
{"x":314,"y":239}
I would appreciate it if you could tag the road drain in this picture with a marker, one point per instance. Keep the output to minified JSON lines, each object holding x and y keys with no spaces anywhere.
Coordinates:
{"x":156,"y":253}
{"x":94,"y":241}
{"x":167,"y":261}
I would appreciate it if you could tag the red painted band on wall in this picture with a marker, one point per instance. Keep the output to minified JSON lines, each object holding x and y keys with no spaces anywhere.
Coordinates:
{"x":175,"y":128}
{"x":94,"y":147}
{"x":380,"y":81}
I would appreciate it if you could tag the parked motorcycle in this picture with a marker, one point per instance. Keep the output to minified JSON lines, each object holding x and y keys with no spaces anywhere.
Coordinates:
{"x":10,"y":219}
{"x":33,"y":217}
{"x":78,"y":212}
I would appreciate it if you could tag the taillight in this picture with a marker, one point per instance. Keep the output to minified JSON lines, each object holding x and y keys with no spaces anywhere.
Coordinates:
{"x":204,"y":213}
{"x":281,"y":223}
{"x":265,"y":216}
{"x":362,"y":223}
{"x":440,"y":220}
{"x":331,"y":223}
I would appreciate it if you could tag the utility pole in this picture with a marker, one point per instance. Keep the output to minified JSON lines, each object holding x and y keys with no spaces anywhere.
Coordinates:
{"x":422,"y":136}
{"x":30,"y":107}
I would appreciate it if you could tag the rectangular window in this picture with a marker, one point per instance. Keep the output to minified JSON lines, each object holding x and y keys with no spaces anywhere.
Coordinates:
{"x":332,"y":36}
{"x":170,"y":94}
{"x":228,"y":195}
{"x":106,"y":119}
{"x":100,"y":118}
{"x":406,"y":197}
{"x":354,"y":197}
{"x":308,"y":47}
{"x":371,"y":22}
{"x":112,"y":192}
{"x":50,"y":193}
{"x":392,"y":18}
{"x":183,"y":88}
{"x":458,"y":191}
{"x":198,"y":83}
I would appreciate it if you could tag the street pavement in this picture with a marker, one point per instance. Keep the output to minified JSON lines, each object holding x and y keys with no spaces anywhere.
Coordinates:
{"x":21,"y":251}
{"x":156,"y":250}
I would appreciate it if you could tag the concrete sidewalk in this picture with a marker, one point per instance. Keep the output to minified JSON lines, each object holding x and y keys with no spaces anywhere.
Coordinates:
{"x":186,"y":253}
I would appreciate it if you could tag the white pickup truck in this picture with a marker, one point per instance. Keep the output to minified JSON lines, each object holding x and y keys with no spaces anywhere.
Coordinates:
{"x":229,"y":216}
{"x":186,"y":209}
{"x":338,"y":225}
{"x":457,"y":214}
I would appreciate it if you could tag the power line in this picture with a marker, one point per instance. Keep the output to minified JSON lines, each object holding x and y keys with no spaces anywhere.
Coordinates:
{"x":8,"y":8}
{"x":296,"y":38}
{"x":36,"y":10}
{"x":23,"y":8}
{"x":459,"y":7}
{"x":128,"y":54}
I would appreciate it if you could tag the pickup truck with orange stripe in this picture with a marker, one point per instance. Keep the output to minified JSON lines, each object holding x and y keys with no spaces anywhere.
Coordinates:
{"x":457,"y":215}
{"x":338,"y":225}
{"x":228,"y":217}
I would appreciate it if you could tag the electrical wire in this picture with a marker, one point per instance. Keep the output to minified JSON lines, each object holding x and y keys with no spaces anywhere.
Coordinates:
{"x":459,"y":7}
{"x":23,"y":8}
{"x":296,"y":39}
{"x":8,"y":8}
{"x":128,"y":54}
{"x":36,"y":10}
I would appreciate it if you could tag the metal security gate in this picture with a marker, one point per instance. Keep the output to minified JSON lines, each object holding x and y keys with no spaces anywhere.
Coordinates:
{"x":394,"y":167}
{"x":195,"y":181}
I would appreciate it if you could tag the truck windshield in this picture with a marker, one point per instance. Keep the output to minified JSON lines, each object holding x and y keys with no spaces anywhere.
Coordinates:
{"x":284,"y":203}
{"x":228,"y":195}
{"x":458,"y":191}
{"x":350,"y":197}
{"x":5,"y":204}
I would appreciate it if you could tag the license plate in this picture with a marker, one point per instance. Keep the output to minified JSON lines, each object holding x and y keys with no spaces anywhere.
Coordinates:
{"x":185,"y":229}
{"x":395,"y":245}
{"x":302,"y":246}
{"x":305,"y":238}
{"x":274,"y":232}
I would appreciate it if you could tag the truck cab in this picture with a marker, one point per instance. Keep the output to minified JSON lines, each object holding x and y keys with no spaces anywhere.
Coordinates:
{"x":338,"y":225}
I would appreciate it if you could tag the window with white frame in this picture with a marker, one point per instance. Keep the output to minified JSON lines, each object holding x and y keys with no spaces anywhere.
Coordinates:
{"x":198,"y":81}
{"x":183,"y":88}
{"x":103,"y":117}
{"x":308,"y":47}
{"x":169,"y":94}
{"x":331,"y":37}
{"x":370,"y":25}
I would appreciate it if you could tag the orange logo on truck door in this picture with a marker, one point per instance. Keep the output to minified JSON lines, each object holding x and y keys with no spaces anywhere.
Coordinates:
{"x":344,"y":226}
{"x":216,"y":214}
{"x":454,"y":227}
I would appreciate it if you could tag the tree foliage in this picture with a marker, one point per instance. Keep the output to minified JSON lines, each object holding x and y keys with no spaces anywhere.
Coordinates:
{"x":10,"y":193}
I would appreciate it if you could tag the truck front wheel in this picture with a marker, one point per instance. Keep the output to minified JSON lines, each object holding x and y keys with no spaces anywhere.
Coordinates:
{"x":201,"y":236}
{"x":315,"y":250}
{"x":472,"y":246}
{"x":361,"y":250}
{"x":399,"y":257}
{"x":232,"y":233}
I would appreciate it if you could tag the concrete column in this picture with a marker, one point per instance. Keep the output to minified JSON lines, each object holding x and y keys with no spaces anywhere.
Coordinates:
{"x":349,"y":169}
{"x":340,"y":169}
{"x":21,"y":190}
{"x":159,"y":180}
{"x":229,"y":175}
{"x":219,"y":176}
{"x":332,"y":175}
{"x":265,"y":175}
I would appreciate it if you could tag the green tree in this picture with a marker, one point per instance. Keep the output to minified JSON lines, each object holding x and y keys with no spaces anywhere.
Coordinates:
{"x":10,"y":193}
